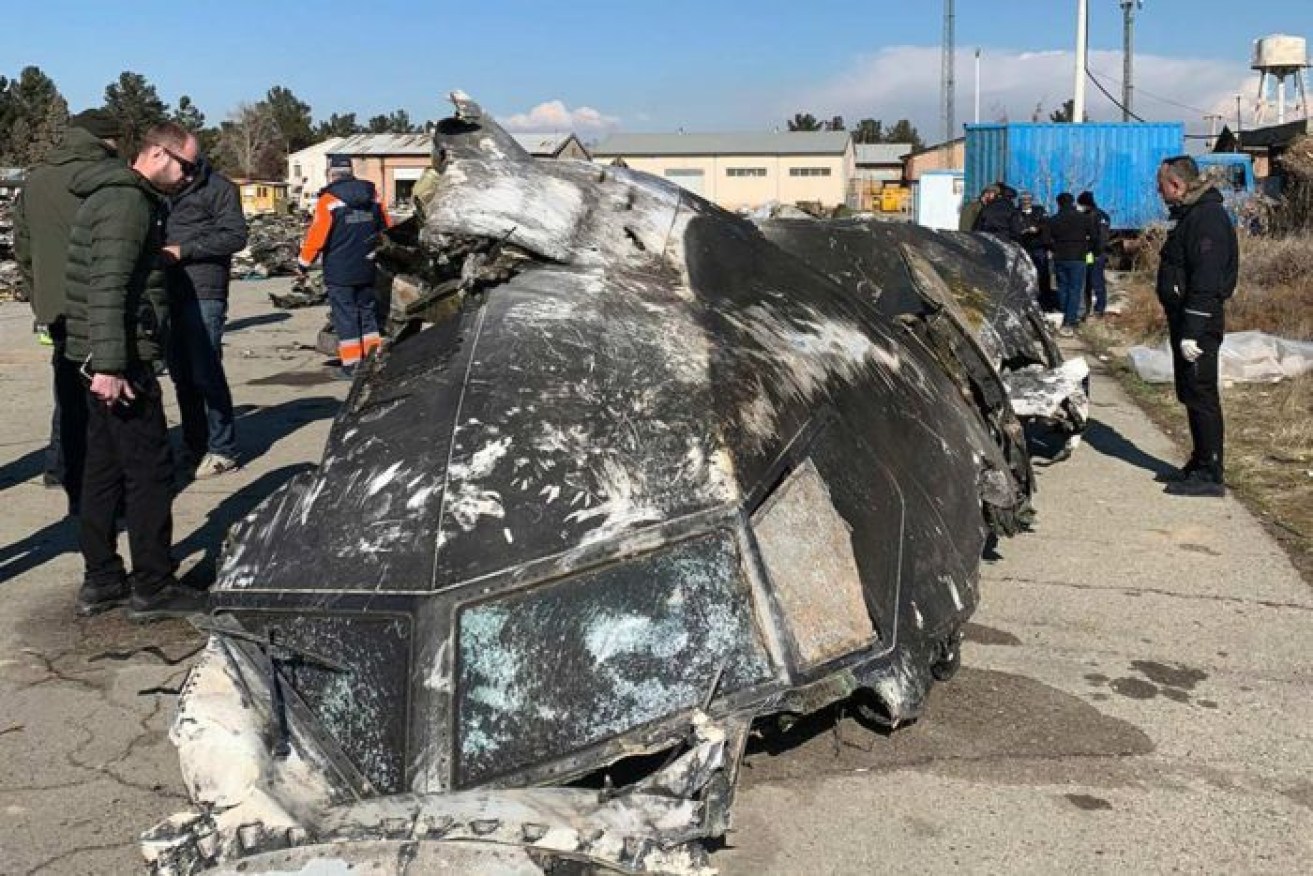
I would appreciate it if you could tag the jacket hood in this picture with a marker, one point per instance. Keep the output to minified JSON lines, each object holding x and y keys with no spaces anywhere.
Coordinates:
{"x":80,"y":145}
{"x":1202,"y":194}
{"x":353,"y":192}
{"x":106,"y":174}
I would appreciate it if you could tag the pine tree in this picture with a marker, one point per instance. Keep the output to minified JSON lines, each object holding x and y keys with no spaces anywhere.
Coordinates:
{"x":138,"y":106}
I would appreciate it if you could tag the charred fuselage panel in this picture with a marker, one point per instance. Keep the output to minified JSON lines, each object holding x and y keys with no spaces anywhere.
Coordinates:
{"x":666,"y":472}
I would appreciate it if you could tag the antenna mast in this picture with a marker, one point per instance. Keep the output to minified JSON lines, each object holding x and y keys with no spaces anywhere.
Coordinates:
{"x":948,"y":81}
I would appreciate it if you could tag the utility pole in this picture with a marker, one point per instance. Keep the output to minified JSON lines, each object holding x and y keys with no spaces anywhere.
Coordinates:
{"x":976,"y":115}
{"x":1082,"y":39}
{"x":1238,"y":122}
{"x":1212,"y":119}
{"x":948,"y":78}
{"x":1128,"y":54}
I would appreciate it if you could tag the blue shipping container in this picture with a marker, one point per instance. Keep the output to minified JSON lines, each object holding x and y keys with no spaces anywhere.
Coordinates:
{"x":1116,"y":161}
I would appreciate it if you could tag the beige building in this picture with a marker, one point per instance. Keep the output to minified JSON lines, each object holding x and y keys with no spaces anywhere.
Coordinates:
{"x":941,"y":156}
{"x":740,"y":171}
{"x":394,"y":162}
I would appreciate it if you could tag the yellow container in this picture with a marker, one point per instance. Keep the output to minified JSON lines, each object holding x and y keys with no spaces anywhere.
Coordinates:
{"x":892,"y":199}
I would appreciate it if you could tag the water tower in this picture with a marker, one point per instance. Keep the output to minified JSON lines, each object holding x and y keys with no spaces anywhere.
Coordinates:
{"x":1278,"y":58}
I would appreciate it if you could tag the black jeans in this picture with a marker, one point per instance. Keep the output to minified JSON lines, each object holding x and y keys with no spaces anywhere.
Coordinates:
{"x":68,"y":434}
{"x":1196,"y":388}
{"x":128,"y":462}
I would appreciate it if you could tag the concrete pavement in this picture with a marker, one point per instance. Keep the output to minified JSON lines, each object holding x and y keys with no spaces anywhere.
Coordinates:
{"x":1135,"y":690}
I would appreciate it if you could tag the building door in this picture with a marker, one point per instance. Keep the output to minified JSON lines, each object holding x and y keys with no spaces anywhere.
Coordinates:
{"x":691,"y":179}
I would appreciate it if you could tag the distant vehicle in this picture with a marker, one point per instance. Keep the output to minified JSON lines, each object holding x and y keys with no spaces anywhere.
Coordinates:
{"x":1117,"y":161}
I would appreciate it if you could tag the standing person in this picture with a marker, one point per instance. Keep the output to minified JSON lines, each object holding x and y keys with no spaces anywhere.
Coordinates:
{"x":1072,"y":237}
{"x":1000,"y":216}
{"x":348,"y":220}
{"x":117,"y":326}
{"x":1096,"y":282}
{"x":205,"y":227}
{"x":971,"y":212}
{"x":42,"y":219}
{"x":1035,"y":241}
{"x":1197,"y":271}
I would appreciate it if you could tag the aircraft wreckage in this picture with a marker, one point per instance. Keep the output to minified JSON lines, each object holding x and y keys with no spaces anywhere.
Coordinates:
{"x":631,"y":474}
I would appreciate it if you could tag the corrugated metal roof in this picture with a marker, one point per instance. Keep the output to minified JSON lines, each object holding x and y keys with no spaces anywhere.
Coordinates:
{"x":384,"y":144}
{"x":779,"y":143}
{"x":881,"y":153}
{"x":542,"y":144}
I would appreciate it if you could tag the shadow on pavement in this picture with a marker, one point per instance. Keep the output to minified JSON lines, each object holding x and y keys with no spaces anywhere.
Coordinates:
{"x":23,"y":469}
{"x":209,"y":536}
{"x":1110,"y":442}
{"x":246,"y":322}
{"x":45,"y":544}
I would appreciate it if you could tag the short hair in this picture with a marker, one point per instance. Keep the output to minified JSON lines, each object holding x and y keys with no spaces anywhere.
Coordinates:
{"x":1183,"y":167}
{"x":1085,"y":198}
{"x":991,"y":189}
{"x":170,"y":135}
{"x":1065,"y":199}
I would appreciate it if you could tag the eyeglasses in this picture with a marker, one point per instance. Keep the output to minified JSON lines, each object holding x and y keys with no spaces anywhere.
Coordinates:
{"x":188,"y":168}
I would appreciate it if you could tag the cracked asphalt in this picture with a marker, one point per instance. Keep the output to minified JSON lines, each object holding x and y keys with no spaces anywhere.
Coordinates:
{"x":1134,"y":693}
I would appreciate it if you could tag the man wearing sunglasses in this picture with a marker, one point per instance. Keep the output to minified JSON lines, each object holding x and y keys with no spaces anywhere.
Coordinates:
{"x":117,"y":323}
{"x":205,"y":227}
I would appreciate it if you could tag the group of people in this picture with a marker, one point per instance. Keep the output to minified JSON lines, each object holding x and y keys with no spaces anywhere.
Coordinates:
{"x":1198,"y":270}
{"x":1069,"y":247}
{"x":127,"y":266}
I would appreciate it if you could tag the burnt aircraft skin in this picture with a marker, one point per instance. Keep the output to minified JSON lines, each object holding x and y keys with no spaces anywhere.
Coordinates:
{"x":664,"y":470}
{"x":986,"y":284}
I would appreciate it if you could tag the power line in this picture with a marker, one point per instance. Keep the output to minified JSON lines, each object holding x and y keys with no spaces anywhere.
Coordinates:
{"x":1115,"y":102}
{"x":1158,"y":97}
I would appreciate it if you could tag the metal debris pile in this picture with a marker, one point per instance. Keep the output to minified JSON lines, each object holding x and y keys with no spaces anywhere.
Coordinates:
{"x":10,"y":286}
{"x":273,"y":243}
{"x":631,"y":473}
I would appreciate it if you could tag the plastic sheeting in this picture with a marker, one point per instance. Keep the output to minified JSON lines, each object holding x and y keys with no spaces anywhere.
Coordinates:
{"x":1246,"y":357}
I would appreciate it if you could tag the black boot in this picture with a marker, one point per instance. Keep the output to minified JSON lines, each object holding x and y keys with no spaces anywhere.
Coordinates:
{"x":171,"y":600}
{"x":1205,"y":481}
{"x":1178,"y":474}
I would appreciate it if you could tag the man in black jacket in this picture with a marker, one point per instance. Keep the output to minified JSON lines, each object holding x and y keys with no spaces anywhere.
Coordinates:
{"x":205,"y":227}
{"x":999,"y":217}
{"x":1035,"y":241}
{"x":1073,"y":239}
{"x":1197,"y":271}
{"x":1095,"y":298}
{"x":42,"y":218}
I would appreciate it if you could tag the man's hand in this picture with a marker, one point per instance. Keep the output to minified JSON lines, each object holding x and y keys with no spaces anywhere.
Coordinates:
{"x":172,"y":254}
{"x":111,"y":389}
{"x":1190,"y":350}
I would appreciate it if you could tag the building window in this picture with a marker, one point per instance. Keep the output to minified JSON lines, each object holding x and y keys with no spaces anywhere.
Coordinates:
{"x":404,"y":191}
{"x":296,"y":171}
{"x":809,"y":171}
{"x":745,"y":171}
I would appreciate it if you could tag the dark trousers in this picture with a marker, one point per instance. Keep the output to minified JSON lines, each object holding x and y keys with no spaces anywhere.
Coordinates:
{"x":129,"y":464}
{"x":355,"y":320}
{"x":196,"y":366}
{"x":1071,"y":284}
{"x":67,"y":452}
{"x":1040,"y":256}
{"x":1196,"y":388}
{"x":1096,"y":286}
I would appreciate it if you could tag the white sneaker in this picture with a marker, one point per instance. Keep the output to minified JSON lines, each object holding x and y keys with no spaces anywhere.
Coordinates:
{"x":213,"y":465}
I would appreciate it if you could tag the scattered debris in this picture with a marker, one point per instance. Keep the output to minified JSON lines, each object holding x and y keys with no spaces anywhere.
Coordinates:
{"x":273,"y":243}
{"x":307,"y":291}
{"x":10,"y":284}
{"x":627,"y":477}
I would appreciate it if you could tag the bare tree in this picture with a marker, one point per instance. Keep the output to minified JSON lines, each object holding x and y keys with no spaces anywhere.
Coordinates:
{"x":250,"y":143}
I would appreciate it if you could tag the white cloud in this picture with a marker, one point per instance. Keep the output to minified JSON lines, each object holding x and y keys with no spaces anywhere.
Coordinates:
{"x":903,"y":82}
{"x":554,"y":116}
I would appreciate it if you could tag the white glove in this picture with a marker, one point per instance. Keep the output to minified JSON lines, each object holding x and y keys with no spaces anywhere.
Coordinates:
{"x":1191,"y":350}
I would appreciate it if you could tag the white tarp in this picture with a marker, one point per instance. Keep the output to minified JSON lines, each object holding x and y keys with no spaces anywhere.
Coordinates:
{"x":1246,"y":357}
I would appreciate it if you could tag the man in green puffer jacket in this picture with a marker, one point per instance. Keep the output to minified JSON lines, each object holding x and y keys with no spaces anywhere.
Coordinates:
{"x":42,"y":218}
{"x":117,"y":322}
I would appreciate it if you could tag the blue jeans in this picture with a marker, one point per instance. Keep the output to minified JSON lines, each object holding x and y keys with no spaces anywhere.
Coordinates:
{"x":196,"y":365}
{"x":1071,"y":287}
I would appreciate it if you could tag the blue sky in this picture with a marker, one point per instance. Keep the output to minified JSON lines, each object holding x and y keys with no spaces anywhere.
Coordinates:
{"x":599,"y":66}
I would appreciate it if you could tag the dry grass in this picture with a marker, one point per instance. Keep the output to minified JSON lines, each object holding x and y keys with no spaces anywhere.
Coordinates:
{"x":1275,"y":292}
